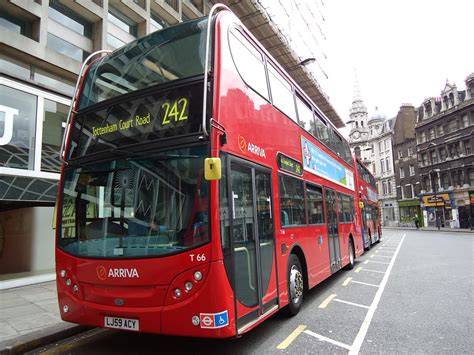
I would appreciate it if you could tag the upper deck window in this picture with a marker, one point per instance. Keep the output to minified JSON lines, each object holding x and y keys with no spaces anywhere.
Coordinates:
{"x":282,"y":95}
{"x":249,"y":63}
{"x":173,"y":53}
{"x":305,"y":115}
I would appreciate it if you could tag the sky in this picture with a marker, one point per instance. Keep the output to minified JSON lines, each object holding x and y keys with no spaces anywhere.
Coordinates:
{"x":403,"y":51}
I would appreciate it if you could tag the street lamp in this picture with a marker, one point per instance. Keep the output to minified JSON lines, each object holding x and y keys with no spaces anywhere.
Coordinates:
{"x":303,"y":63}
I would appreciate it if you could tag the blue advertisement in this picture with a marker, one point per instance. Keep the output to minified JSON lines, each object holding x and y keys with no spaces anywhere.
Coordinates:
{"x":316,"y":161}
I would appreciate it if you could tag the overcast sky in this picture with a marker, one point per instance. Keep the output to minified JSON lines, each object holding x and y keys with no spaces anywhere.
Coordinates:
{"x":403,"y":50}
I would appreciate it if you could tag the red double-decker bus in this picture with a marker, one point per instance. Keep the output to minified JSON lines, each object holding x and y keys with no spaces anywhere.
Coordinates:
{"x":202,"y":190}
{"x":368,"y":205}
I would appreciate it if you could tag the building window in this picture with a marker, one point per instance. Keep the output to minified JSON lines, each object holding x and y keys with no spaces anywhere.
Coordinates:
{"x":31,"y":131}
{"x":386,"y":144}
{"x":55,"y":115}
{"x":467,"y":147}
{"x":66,"y":48}
{"x":434,"y":157}
{"x":432,"y":133}
{"x":410,"y":151}
{"x":380,"y":146}
{"x":69,"y":19}
{"x":440,"y":129}
{"x":423,"y":137}
{"x":471,"y":177}
{"x":18,"y":123}
{"x":389,"y":187}
{"x":173,"y":3}
{"x":381,"y":166}
{"x":442,"y":154}
{"x":424,"y":159}
{"x":387,"y":163}
{"x":465,"y":121}
{"x":445,"y":181}
{"x":402,"y":173}
{"x":400,"y":154}
{"x":412,"y":169}
{"x":121,"y":21}
{"x":453,"y":125}
{"x":157,"y":23}
{"x":15,"y":24}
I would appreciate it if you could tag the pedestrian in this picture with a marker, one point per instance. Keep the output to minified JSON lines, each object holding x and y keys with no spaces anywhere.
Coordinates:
{"x":471,"y":222}
{"x":438,"y":222}
{"x":417,"y":221}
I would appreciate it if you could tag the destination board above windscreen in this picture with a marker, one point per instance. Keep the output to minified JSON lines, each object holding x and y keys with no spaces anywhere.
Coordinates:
{"x":159,"y":115}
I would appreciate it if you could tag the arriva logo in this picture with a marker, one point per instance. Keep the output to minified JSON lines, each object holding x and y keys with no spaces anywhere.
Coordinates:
{"x":114,"y":273}
{"x":250,"y":148}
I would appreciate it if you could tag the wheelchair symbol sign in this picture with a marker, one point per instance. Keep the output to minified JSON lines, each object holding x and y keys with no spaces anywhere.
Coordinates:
{"x":214,"y":320}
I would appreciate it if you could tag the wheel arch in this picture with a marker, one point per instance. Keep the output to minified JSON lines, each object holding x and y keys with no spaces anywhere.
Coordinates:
{"x":298,"y":251}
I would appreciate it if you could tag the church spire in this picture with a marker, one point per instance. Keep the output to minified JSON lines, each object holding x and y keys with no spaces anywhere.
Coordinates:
{"x":358,"y":112}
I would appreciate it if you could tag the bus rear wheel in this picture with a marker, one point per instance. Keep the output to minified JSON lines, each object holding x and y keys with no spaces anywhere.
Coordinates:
{"x":351,"y":254}
{"x":295,"y":286}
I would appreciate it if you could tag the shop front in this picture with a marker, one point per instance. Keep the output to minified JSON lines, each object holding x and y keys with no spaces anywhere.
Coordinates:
{"x":439,"y":207}
{"x":409,"y":211}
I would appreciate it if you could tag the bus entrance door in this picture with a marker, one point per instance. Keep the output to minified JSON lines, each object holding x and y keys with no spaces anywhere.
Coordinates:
{"x":252,"y":236}
{"x":333,"y":232}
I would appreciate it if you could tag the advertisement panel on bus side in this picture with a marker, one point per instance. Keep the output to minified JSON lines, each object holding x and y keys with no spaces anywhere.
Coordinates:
{"x":316,"y":161}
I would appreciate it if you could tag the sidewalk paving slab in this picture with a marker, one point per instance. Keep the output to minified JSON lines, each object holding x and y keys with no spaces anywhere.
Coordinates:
{"x":29,"y":318}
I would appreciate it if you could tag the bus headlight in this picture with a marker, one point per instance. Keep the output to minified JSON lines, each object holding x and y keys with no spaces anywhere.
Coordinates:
{"x":177,"y":293}
{"x":196,"y":321}
{"x":62,"y":273}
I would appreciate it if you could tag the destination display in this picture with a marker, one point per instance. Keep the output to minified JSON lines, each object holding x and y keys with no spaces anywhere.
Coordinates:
{"x":318,"y":162}
{"x":289,"y":165}
{"x":164,"y":114}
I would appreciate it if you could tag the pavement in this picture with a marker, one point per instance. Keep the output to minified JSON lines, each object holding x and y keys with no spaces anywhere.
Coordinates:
{"x":29,"y":315}
{"x":29,"y":318}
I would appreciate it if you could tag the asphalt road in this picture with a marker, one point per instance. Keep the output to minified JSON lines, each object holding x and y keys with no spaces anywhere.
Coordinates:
{"x":411,"y":293}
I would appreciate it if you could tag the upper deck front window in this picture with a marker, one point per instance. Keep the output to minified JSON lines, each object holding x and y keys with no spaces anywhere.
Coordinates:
{"x":173,"y":53}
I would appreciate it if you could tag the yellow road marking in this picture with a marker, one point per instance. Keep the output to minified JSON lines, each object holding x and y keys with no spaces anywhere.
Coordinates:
{"x":327,"y":301}
{"x":358,"y":269}
{"x":346,"y":282}
{"x":285,"y":343}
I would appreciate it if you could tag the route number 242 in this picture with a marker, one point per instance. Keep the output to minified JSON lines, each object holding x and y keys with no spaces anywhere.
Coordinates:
{"x":176,"y":110}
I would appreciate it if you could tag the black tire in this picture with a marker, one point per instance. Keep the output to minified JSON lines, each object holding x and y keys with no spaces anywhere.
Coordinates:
{"x":351,"y":254}
{"x":295,"y":283}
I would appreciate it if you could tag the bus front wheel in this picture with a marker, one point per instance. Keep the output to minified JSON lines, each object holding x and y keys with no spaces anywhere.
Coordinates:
{"x":295,"y":286}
